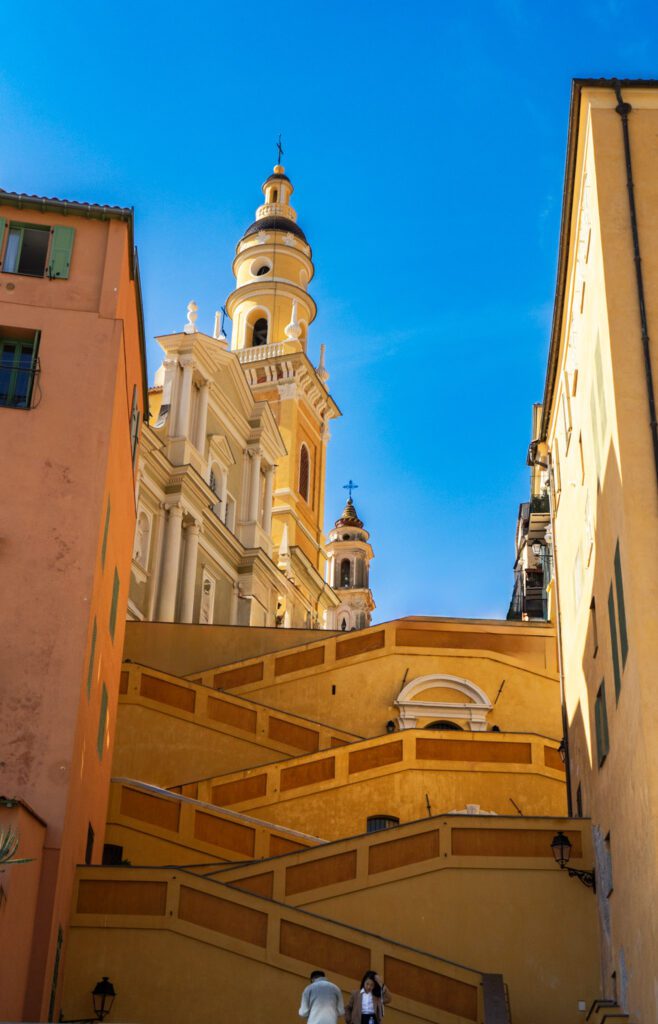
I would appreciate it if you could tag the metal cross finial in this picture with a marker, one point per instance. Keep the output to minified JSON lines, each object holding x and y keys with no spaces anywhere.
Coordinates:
{"x":351,"y":486}
{"x":279,"y":148}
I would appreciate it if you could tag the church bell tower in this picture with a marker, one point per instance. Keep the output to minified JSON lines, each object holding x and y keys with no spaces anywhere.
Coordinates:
{"x":350,"y":555}
{"x":271,"y":312}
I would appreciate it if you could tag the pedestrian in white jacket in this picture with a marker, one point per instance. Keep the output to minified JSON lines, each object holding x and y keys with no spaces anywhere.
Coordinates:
{"x":322,"y":1001}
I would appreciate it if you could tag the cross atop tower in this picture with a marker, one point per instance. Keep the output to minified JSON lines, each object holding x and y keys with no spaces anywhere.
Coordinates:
{"x":351,"y":486}
{"x":279,"y":148}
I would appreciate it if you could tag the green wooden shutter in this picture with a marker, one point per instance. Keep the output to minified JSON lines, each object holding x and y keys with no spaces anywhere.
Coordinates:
{"x":3,"y":223}
{"x":60,"y":252}
{"x":614,"y":646}
{"x":601,"y":724}
{"x":102,"y":723}
{"x":92,"y":654}
{"x":621,"y":607}
{"x":115,"y":601}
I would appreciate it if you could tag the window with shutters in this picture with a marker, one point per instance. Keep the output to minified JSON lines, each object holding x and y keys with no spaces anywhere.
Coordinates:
{"x":102,"y":723}
{"x":601,"y":725}
{"x":304,"y":472}
{"x":115,"y":603}
{"x":19,"y":367}
{"x":92,"y":655}
{"x":36,"y":250}
{"x":135,"y":419}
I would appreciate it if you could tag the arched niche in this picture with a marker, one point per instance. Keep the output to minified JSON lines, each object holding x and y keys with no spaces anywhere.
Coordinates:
{"x":438,"y":697}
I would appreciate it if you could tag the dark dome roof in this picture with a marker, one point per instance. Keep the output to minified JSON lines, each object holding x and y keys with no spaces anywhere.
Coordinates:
{"x":349,"y":516}
{"x":276,"y":177}
{"x":275,"y":224}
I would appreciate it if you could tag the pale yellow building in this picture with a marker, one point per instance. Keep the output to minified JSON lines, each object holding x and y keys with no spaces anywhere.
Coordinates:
{"x":597,"y":448}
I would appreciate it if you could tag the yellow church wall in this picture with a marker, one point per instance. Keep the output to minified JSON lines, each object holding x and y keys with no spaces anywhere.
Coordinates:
{"x":331,"y":794}
{"x":202,"y":732}
{"x":605,"y":495}
{"x":482,"y":890}
{"x":352,"y":682}
{"x":180,"y":947}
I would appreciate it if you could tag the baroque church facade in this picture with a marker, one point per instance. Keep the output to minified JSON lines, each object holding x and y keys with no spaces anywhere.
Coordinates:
{"x":232,"y":467}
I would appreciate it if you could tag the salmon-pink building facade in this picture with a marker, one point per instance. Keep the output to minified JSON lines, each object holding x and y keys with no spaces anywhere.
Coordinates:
{"x":72,"y":396}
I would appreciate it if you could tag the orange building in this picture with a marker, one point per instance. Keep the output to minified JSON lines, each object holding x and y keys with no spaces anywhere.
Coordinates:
{"x":72,"y":395}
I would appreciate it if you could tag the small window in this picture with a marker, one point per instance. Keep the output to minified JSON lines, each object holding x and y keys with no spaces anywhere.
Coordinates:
{"x":89,"y":849}
{"x":601,"y":724}
{"x":304,"y":472}
{"x":114,"y":605}
{"x":614,"y":646}
{"x":621,"y":607}
{"x":379,"y":822}
{"x":112,"y":854}
{"x":19,"y":368}
{"x":106,"y":530}
{"x":92,"y":655}
{"x":275,"y":195}
{"x":102,"y":723}
{"x":593,"y":628}
{"x":27,"y":249}
{"x":345,"y":572}
{"x":135,"y":417}
{"x":262,"y":270}
{"x":579,"y":801}
{"x":445,"y":726}
{"x":259,"y":336}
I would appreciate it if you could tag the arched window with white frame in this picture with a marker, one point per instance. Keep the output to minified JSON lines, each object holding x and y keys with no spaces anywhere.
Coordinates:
{"x":142,"y":539}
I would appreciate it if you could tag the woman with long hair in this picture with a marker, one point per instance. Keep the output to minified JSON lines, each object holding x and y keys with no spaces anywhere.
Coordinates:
{"x":366,"y":1004}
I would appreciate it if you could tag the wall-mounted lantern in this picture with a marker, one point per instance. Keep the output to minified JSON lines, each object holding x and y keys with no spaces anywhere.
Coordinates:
{"x":561,"y":847}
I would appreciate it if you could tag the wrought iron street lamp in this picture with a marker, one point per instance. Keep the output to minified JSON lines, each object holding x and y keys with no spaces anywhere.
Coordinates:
{"x":561,"y":847}
{"x":103,"y":997}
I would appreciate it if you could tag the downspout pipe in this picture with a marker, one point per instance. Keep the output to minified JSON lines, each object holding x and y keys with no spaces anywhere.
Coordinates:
{"x":624,"y":109}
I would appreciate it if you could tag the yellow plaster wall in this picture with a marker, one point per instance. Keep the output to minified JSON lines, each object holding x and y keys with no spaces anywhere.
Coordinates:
{"x":606,"y":466}
{"x":203,"y":732}
{"x":358,"y":691}
{"x":223,"y":952}
{"x":331,"y":794}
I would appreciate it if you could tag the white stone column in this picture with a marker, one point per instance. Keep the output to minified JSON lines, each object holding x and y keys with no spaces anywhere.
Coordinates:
{"x":170,"y":559}
{"x":254,"y":484}
{"x":267,"y":500}
{"x":189,"y":571}
{"x":202,"y":416}
{"x":185,"y":397}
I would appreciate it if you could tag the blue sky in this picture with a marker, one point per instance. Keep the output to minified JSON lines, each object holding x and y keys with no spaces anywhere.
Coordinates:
{"x":426,"y":143}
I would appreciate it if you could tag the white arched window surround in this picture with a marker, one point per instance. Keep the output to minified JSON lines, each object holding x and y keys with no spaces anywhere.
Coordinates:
{"x":471,"y":704}
{"x":142,"y":538}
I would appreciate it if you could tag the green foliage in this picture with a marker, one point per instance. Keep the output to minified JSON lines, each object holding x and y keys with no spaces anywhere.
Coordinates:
{"x":9,"y":840}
